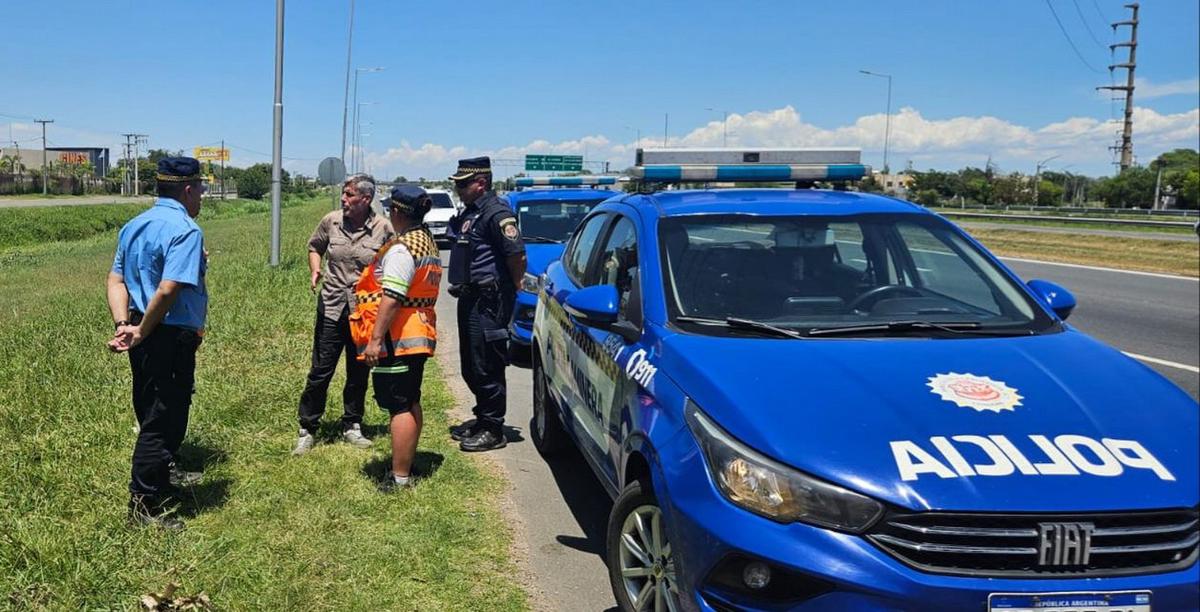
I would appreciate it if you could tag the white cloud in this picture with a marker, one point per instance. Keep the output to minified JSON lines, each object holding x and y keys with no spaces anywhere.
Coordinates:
{"x":1145,"y":90}
{"x":1080,"y":143}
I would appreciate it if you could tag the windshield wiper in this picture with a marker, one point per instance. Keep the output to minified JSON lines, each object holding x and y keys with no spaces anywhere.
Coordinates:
{"x":750,"y":324}
{"x":540,"y":240}
{"x":954,"y":327}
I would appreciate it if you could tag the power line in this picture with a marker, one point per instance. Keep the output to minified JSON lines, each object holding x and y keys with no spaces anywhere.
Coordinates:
{"x":1085,"y":24}
{"x":1068,"y":37}
{"x":1099,"y":12}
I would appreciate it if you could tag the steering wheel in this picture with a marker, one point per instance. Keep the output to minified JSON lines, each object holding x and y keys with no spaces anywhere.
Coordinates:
{"x":745,"y":244}
{"x":873,"y":295}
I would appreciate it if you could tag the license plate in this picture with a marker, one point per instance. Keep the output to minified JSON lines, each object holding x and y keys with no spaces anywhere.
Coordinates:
{"x":1118,"y":601}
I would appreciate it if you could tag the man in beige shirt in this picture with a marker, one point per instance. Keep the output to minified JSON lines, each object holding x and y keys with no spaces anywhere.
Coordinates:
{"x":348,"y":240}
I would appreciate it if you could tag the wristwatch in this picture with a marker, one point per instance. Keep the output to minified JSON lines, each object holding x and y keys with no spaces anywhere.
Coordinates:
{"x":118,"y":324}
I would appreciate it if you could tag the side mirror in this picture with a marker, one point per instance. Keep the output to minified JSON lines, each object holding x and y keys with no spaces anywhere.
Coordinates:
{"x":594,"y":306}
{"x":1057,"y":298}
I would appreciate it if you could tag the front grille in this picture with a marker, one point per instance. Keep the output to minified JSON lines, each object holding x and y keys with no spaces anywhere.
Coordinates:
{"x":1013,"y":545}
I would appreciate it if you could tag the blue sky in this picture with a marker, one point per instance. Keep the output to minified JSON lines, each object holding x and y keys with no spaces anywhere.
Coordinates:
{"x":970,"y":78}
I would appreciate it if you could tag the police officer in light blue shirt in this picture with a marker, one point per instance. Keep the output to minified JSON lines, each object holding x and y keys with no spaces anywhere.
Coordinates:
{"x":158,"y":300}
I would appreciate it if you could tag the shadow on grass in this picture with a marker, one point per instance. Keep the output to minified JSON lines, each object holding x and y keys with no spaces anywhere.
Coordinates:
{"x":202,"y":497}
{"x":196,"y":456}
{"x":425,"y":465}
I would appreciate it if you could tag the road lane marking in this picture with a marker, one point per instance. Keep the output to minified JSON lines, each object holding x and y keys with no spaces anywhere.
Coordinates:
{"x":1164,"y":362}
{"x":1069,"y":265}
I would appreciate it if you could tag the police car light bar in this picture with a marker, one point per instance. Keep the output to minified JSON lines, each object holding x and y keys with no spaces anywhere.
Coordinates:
{"x":564,"y":181}
{"x":747,"y":165}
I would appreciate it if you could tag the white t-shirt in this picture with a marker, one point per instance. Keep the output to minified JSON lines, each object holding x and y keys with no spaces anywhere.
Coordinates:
{"x":395,"y":271}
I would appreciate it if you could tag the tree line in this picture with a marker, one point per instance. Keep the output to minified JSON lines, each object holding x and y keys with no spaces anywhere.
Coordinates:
{"x":1133,"y":188}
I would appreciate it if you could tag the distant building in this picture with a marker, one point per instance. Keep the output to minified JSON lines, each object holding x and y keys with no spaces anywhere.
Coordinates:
{"x":894,"y":184}
{"x":98,"y":157}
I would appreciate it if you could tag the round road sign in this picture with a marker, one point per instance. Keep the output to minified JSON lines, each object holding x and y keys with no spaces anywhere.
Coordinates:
{"x":331,"y":171}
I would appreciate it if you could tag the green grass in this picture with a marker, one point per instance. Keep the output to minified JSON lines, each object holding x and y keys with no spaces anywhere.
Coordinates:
{"x":265,"y":530}
{"x":36,"y":225}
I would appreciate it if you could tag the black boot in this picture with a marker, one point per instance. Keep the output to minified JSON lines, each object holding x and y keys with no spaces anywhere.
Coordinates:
{"x":147,"y":511}
{"x":464,"y":430}
{"x":485,"y":439}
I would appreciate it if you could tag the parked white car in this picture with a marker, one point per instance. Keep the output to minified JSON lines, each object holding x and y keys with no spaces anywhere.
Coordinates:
{"x":445,"y":205}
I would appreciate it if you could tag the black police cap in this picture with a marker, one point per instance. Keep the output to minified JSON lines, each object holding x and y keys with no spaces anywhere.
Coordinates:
{"x":178,"y":169}
{"x":471,"y":166}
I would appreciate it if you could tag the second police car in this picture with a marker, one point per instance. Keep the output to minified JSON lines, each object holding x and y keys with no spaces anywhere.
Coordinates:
{"x":827,"y":400}
{"x":548,"y":209}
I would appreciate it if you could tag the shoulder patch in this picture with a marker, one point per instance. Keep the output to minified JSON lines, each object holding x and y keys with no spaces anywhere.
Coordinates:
{"x":508,"y":227}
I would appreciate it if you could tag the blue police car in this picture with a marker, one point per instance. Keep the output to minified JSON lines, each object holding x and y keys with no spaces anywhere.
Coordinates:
{"x":828,"y":400}
{"x":547,"y":216}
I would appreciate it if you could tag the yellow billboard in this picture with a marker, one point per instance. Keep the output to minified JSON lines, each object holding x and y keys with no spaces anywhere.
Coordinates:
{"x":210,"y":153}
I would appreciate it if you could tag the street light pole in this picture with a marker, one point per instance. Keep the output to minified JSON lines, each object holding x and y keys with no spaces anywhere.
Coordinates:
{"x":1037,"y":177}
{"x":887,"y":130}
{"x":277,"y":148}
{"x":354,"y":140}
{"x":356,"y":158}
{"x":44,"y":177}
{"x":346,"y":97}
{"x":724,"y":126}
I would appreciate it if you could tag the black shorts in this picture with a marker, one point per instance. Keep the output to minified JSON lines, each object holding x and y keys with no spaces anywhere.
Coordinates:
{"x":397,"y":382}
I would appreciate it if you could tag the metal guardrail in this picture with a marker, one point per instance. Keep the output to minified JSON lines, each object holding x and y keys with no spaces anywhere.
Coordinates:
{"x":1102,"y":221}
{"x":1141,"y":212}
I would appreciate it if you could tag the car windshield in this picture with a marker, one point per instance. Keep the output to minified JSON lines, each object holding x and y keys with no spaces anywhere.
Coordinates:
{"x":870,"y":274}
{"x":552,"y":219}
{"x":441,"y":200}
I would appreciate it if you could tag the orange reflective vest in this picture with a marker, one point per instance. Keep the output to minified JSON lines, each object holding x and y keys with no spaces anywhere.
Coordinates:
{"x":414,"y":328}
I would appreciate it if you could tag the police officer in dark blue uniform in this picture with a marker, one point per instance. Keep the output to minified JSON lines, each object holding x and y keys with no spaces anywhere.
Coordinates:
{"x":487,"y":261}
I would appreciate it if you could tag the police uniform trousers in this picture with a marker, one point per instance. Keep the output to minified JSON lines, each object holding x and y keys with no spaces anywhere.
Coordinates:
{"x":483,"y":316}
{"x":164,"y":368}
{"x":331,"y":339}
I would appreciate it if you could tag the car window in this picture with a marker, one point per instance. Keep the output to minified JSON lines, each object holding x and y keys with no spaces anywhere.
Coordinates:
{"x":618,"y":267}
{"x":809,"y":272}
{"x":441,"y":200}
{"x":552,"y":219}
{"x":579,"y":252}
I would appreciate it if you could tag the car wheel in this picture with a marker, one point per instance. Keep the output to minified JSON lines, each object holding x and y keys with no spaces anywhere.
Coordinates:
{"x":641,"y":566}
{"x":549,"y":437}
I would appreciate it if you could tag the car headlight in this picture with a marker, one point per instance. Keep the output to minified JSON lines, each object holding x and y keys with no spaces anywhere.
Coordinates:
{"x":531,"y":283}
{"x":768,"y":488}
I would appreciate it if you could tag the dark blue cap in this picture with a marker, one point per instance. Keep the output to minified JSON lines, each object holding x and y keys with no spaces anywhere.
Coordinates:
{"x":410,"y":200}
{"x":178,"y":169}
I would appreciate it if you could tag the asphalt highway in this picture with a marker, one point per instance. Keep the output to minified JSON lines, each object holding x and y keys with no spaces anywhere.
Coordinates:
{"x":1153,"y":316}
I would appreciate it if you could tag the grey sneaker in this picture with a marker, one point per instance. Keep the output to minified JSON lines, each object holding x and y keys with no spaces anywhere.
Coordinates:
{"x":304,"y":443}
{"x":353,"y":436}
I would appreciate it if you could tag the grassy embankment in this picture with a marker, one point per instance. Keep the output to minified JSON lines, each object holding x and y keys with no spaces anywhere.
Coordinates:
{"x":1037,"y":223}
{"x":1144,"y":254}
{"x":265,"y":530}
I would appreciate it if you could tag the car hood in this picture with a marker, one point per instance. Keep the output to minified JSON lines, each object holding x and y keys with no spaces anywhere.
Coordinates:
{"x":540,"y":256}
{"x":439,"y":214}
{"x":869,"y":414}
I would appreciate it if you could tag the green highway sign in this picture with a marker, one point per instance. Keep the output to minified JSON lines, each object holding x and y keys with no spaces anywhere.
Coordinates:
{"x":555,"y":163}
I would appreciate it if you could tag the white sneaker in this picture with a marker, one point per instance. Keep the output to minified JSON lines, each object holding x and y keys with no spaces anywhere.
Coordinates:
{"x":304,"y":443}
{"x":354,"y":437}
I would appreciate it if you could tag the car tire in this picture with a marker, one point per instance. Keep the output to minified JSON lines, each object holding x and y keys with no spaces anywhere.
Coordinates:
{"x":640,"y":560}
{"x":545,"y":427}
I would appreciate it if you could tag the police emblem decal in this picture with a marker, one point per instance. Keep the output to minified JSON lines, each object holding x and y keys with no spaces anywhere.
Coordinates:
{"x":978,"y":392}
